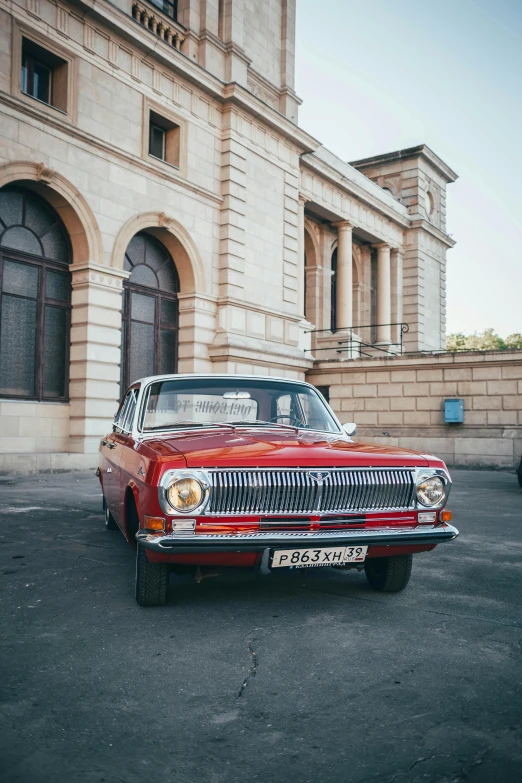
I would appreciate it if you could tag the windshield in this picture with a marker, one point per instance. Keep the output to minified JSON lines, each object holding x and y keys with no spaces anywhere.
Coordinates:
{"x":201,"y":401}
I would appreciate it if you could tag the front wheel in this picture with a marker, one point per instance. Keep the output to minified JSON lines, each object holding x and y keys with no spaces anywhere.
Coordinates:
{"x":152,"y":580}
{"x":388,"y":574}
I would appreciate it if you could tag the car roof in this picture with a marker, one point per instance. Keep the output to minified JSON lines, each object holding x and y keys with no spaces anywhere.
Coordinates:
{"x":210,"y":375}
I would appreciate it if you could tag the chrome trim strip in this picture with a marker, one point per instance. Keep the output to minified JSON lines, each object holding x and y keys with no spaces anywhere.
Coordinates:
{"x":253,"y":542}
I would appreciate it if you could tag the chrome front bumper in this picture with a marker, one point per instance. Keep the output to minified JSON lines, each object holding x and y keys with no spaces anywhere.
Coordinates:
{"x":257,"y":542}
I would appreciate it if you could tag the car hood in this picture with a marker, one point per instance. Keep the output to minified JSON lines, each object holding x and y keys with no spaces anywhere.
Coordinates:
{"x":256,"y":447}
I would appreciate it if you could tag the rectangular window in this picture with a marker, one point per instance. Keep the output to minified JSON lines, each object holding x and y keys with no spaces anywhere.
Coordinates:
{"x":169,"y":7}
{"x":164,"y":139}
{"x":156,"y":142}
{"x":44,"y":75}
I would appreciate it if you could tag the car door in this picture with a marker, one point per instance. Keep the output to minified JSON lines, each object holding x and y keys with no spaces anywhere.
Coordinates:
{"x":110,"y":450}
{"x":123,"y":442}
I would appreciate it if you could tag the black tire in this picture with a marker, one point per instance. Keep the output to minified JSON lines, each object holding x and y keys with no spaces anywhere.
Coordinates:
{"x":110,"y":522}
{"x":388,"y":574}
{"x":519,"y":473}
{"x":152,"y":580}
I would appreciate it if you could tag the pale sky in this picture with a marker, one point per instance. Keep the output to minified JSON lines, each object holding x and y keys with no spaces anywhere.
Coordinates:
{"x":381,"y":75}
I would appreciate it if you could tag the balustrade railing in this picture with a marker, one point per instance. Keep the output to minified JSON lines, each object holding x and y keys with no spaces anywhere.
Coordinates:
{"x":156,"y":23}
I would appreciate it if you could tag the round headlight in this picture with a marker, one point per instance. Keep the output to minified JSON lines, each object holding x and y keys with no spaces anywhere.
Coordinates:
{"x":185,"y":494}
{"x":430,"y":491}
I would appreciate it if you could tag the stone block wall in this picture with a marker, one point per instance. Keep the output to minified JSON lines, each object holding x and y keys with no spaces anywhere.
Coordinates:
{"x":400,"y":401}
{"x":32,"y":427}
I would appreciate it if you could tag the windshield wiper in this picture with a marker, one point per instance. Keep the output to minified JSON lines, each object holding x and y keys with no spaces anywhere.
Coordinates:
{"x":264,"y":423}
{"x":188,"y":423}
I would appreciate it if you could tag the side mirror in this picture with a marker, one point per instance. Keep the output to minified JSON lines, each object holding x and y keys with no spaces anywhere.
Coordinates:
{"x":350,"y":428}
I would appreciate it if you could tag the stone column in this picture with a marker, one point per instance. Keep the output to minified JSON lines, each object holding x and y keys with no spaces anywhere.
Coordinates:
{"x":343,"y":302}
{"x":383,"y":293}
{"x":94,"y":387}
{"x":301,"y":270}
{"x":396,"y":291}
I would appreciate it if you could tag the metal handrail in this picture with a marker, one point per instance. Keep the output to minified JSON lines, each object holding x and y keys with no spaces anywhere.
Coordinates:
{"x":353,"y":344}
{"x":404,"y":328}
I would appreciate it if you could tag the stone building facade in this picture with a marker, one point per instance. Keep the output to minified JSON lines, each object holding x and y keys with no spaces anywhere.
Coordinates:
{"x":161,"y":209}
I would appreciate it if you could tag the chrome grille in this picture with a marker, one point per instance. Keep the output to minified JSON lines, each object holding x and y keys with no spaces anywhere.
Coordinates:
{"x":284,"y":491}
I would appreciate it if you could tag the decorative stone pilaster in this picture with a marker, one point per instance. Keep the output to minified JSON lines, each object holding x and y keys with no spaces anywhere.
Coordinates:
{"x":94,"y":387}
{"x":236,"y":61}
{"x":301,"y":270}
{"x":197,"y":329}
{"x":383,"y":294}
{"x":344,"y":275}
{"x":233,"y":215}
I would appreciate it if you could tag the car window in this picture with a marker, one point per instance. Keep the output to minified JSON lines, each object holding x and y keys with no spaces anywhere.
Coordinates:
{"x":199,"y":401}
{"x":125,"y":415}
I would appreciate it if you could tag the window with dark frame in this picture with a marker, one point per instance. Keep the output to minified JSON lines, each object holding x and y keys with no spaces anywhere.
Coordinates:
{"x":150,"y":324}
{"x":169,"y":7}
{"x":35,"y":299}
{"x":156,"y":141}
{"x":43,"y":75}
{"x":164,"y":139}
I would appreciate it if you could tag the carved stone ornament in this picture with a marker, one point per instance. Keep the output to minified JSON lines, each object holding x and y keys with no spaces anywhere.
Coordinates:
{"x":163,"y":220}
{"x":44,"y":173}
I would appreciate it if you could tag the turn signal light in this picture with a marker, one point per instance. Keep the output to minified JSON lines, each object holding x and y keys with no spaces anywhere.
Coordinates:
{"x":427,"y":517}
{"x":446,"y":516}
{"x":154,"y":524}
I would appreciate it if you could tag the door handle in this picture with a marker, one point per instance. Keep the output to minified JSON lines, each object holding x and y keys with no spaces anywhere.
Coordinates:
{"x":108,"y":444}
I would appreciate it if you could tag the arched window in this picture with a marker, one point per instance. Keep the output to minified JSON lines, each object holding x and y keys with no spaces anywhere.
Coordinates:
{"x":35,"y":303}
{"x":150,"y":311}
{"x":333,"y":294}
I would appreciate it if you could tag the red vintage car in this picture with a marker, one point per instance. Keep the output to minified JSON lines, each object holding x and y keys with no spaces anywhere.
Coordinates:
{"x":255,"y":472}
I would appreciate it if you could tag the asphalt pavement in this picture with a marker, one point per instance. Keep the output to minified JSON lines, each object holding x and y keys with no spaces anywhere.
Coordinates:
{"x":306,"y":675}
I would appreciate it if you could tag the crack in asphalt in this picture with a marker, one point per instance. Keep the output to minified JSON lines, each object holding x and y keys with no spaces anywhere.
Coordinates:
{"x":346,"y":596}
{"x":252,"y":671}
{"x":418,"y":761}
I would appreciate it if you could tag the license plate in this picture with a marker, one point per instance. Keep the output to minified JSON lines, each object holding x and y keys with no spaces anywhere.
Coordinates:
{"x":310,"y":558}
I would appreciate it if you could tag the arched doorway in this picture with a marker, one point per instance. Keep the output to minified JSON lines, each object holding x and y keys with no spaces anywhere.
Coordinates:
{"x":150,"y":316}
{"x":35,"y":301}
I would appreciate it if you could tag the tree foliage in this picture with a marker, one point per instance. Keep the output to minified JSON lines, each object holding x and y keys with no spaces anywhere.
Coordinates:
{"x":488,"y":340}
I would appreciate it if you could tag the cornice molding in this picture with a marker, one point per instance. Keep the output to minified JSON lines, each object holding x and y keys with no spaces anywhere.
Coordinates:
{"x":258,"y":352}
{"x":425,"y":225}
{"x":421,"y":151}
{"x":236,"y":95}
{"x":254,"y":307}
{"x":352,"y":189}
